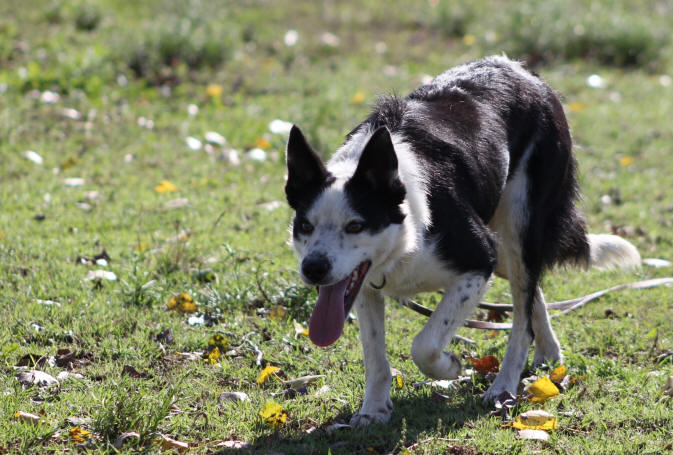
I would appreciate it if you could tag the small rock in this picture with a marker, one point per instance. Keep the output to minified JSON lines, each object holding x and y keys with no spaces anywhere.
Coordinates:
{"x":256,"y":154}
{"x":538,"y":435}
{"x":74,"y":181}
{"x":193,"y":143}
{"x":95,"y":275}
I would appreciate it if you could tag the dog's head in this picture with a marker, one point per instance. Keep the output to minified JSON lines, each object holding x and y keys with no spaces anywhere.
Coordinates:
{"x":345,"y":224}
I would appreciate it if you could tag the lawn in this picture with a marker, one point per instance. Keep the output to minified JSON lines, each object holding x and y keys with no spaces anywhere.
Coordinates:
{"x":143,"y":229}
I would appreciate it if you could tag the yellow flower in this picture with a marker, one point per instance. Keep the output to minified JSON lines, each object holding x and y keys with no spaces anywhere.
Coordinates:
{"x":218,"y":341}
{"x":469,"y":40}
{"x":142,"y":246}
{"x":625,"y":161}
{"x":262,"y":143}
{"x":182,"y":302}
{"x":273,"y":414}
{"x":575,"y":107}
{"x":358,"y":98}
{"x":299,"y":329}
{"x":79,"y":434}
{"x":542,"y":390}
{"x":266,"y":373}
{"x":165,"y":187}
{"x":214,"y":90}
{"x":213,"y":356}
{"x":399,"y":382}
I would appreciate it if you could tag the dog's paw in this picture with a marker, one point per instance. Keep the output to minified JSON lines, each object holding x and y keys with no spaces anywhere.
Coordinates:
{"x":549,"y":355}
{"x":495,"y":391}
{"x":442,"y":365}
{"x":373,"y":414}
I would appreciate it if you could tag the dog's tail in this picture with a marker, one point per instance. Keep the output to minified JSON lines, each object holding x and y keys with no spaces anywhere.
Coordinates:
{"x":612,"y":252}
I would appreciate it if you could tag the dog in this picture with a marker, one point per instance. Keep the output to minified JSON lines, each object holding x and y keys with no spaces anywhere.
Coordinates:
{"x":468,"y":176}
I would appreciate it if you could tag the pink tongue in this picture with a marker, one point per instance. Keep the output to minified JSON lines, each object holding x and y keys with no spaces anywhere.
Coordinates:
{"x":327,"y":319}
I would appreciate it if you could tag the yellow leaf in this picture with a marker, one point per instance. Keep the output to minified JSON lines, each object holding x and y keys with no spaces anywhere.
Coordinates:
{"x":79,"y":434}
{"x":266,"y":373}
{"x":214,"y":90}
{"x":625,"y":161}
{"x":534,"y":420}
{"x":142,"y":246}
{"x":542,"y":390}
{"x":358,"y":98}
{"x":469,"y":40}
{"x":575,"y":107}
{"x":262,"y":143}
{"x":273,"y":414}
{"x":182,"y":302}
{"x":165,"y":187}
{"x":558,"y":374}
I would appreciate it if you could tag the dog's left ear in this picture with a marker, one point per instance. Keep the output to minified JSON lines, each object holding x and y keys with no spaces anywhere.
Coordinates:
{"x":377,"y":167}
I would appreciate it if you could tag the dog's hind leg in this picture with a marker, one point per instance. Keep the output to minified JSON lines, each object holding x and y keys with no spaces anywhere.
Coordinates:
{"x":547,"y":347}
{"x":459,"y":301}
{"x":377,"y":405}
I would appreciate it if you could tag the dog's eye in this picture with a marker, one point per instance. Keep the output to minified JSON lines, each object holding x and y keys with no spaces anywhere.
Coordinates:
{"x":354,"y":227}
{"x":305,"y":227}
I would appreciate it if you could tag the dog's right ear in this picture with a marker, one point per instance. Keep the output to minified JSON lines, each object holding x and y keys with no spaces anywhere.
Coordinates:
{"x":306,"y":173}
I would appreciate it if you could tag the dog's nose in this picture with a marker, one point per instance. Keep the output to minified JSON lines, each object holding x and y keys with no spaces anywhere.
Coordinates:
{"x":316,"y":267}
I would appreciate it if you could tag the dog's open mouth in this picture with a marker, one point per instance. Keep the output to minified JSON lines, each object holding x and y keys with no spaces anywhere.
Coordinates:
{"x":334,"y":303}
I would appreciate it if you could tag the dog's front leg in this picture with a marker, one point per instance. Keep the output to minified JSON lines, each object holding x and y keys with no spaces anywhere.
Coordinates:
{"x":377,"y":405}
{"x":458,"y":302}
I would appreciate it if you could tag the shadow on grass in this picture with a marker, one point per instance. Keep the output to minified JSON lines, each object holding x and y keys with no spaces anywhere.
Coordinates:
{"x":414,"y":419}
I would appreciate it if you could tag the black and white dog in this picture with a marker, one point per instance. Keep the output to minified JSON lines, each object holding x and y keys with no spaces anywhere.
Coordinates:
{"x":469,"y":175}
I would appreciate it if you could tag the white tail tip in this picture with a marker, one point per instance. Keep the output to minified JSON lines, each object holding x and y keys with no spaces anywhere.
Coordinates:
{"x":612,"y":252}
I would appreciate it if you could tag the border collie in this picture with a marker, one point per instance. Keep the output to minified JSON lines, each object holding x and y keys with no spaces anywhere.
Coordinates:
{"x":468,"y":176}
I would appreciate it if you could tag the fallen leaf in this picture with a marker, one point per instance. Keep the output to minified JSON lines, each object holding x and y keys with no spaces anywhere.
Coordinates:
{"x":233,"y":396}
{"x":278,"y":313}
{"x":542,"y":390}
{"x":537,"y":435}
{"x":182,"y":302}
{"x":79,"y":435}
{"x":215,"y":138}
{"x":266,"y":373}
{"x":273,"y":414}
{"x":99,"y":275}
{"x":302,"y":381}
{"x":132,"y":372}
{"x":534,"y":420}
{"x":27,"y":417}
{"x":119,"y":442}
{"x":173,"y":444}
{"x":165,"y":187}
{"x":299,"y":330}
{"x":558,"y":374}
{"x":488,"y":364}
{"x":35,"y":377}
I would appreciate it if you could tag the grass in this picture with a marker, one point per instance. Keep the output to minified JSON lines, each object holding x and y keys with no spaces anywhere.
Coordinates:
{"x":131,"y":70}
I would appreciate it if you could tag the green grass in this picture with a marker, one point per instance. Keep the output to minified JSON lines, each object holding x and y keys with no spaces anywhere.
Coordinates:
{"x":122,"y":64}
